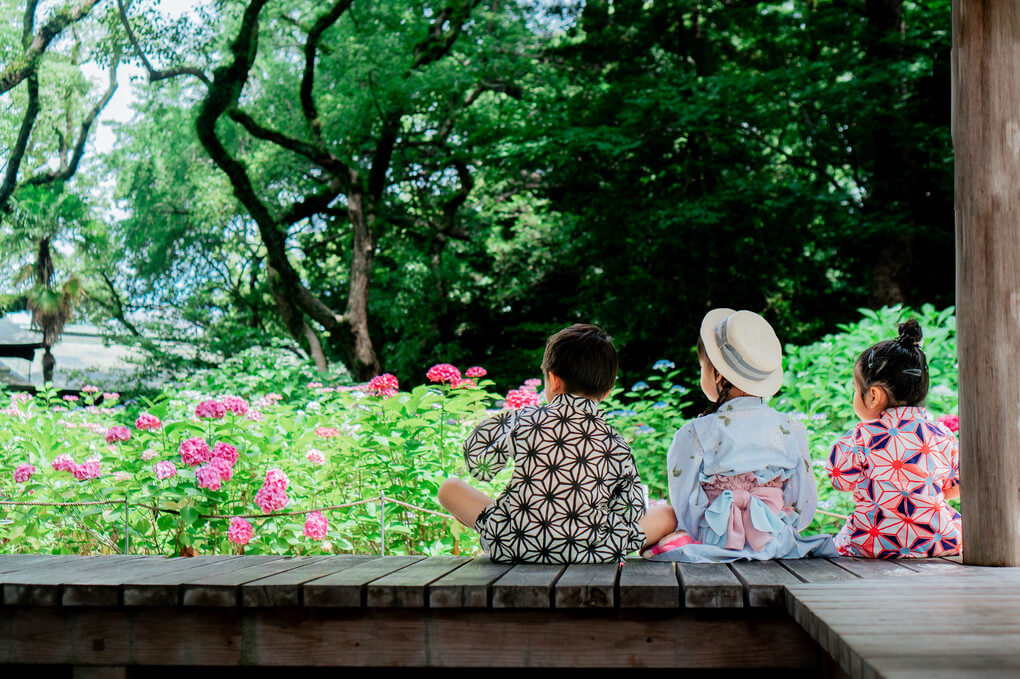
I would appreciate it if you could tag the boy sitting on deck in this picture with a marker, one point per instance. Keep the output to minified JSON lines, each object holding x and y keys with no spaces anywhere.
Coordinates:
{"x":575,"y":495}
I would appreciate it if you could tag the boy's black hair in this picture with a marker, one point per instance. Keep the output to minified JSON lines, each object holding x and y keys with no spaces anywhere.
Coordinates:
{"x":583,"y":356}
{"x":899,"y":366}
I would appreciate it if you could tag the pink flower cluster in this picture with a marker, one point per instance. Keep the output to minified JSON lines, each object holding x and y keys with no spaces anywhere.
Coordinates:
{"x":254,"y":415}
{"x":219,"y":468}
{"x":384,"y":385}
{"x":443,"y":372}
{"x":23,"y":473}
{"x":314,"y":385}
{"x":165,"y":470}
{"x":147,"y":422}
{"x":69,"y":398}
{"x":533,"y":384}
{"x":268,"y":400}
{"x":21,"y":397}
{"x":118,"y":433}
{"x":240,"y":531}
{"x":316,"y":526}
{"x":327,"y":432}
{"x":272,"y":496}
{"x":89,"y":469}
{"x":476,"y":372}
{"x":90,"y":389}
{"x":316,"y":457}
{"x":520,"y":398}
{"x":950,"y":422}
{"x":210,"y":410}
{"x":235,"y":404}
{"x":194,"y":451}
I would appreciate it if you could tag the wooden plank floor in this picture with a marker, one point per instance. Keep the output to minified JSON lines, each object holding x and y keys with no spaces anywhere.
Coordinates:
{"x":347,"y":581}
{"x":962,"y":622}
{"x":876,"y":619}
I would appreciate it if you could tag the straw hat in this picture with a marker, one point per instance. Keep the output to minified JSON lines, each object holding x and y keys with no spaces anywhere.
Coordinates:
{"x":744,"y":348}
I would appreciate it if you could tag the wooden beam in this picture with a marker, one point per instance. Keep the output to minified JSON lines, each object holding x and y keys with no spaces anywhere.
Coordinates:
{"x":986,"y":140}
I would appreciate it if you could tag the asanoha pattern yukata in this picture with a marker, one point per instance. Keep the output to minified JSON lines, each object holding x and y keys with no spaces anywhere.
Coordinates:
{"x":898,"y":468}
{"x":575,"y":495}
{"x":740,"y":482}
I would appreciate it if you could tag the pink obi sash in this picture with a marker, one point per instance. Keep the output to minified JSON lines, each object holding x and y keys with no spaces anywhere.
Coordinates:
{"x":744,"y":487}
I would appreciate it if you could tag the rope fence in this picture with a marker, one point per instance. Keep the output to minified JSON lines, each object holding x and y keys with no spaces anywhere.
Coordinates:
{"x":381,"y":499}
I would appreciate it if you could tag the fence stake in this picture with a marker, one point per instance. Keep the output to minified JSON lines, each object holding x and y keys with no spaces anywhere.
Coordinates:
{"x":127,"y":526}
{"x":382,"y":524}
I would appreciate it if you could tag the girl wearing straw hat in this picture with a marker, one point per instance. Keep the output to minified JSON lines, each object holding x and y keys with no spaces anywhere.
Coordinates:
{"x":740,"y":480}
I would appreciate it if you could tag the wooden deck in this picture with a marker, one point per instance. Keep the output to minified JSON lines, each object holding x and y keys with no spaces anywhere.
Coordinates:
{"x":856,"y":617}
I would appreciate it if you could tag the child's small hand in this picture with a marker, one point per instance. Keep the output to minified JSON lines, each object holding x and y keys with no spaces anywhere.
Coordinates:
{"x":953,"y":493}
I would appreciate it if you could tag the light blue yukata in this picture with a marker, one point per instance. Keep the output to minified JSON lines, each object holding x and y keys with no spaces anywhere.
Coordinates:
{"x":742,"y":477}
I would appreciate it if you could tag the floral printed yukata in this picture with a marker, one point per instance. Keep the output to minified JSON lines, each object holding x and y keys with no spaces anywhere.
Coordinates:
{"x":898,"y":468}
{"x":741,"y":484}
{"x":575,"y":495}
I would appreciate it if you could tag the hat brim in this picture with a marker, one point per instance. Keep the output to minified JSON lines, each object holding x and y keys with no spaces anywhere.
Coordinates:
{"x":765,"y":388}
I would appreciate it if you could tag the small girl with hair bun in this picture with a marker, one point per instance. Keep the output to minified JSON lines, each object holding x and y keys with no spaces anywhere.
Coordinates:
{"x":899,"y":463}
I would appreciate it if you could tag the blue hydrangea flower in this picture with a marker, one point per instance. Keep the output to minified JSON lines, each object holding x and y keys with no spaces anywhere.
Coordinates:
{"x":645,"y":429}
{"x":679,"y":387}
{"x":663,"y":365}
{"x":621,"y":413}
{"x":639,"y":386}
{"x":659,"y":405}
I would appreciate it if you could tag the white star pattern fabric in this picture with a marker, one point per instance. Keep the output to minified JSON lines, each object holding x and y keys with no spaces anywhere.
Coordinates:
{"x":575,"y":495}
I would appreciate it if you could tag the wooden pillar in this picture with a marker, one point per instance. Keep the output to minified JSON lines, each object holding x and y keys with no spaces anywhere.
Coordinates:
{"x":986,"y":140}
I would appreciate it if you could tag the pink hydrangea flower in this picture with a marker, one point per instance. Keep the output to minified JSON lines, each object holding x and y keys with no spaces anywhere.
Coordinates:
{"x":314,"y":385}
{"x":327,"y":432}
{"x":268,"y":400}
{"x":89,"y":469}
{"x":950,"y":422}
{"x":146,"y":422}
{"x":226,"y":452}
{"x":316,"y":457}
{"x":520,"y":398}
{"x":211,"y":410}
{"x":272,"y":496}
{"x":110,"y":396}
{"x":90,"y":389}
{"x":118,"y":433}
{"x":316,"y":526}
{"x":443,"y":372}
{"x":254,"y":415}
{"x":165,"y":469}
{"x":121,"y":476}
{"x":149,"y":453}
{"x":194,"y":451}
{"x":63,"y":463}
{"x":22,"y":397}
{"x":23,"y":473}
{"x":69,"y":397}
{"x":464,"y":384}
{"x":223,"y":467}
{"x":209,"y":477}
{"x":235,"y":404}
{"x":476,"y":372}
{"x":240,"y":531}
{"x":383,"y":383}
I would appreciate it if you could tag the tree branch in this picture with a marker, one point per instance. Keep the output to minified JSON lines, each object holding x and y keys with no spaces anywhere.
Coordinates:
{"x":18,"y":152}
{"x":26,"y":65}
{"x":155,"y":74}
{"x":68,"y":169}
{"x":317,"y":155}
{"x":325,"y":20}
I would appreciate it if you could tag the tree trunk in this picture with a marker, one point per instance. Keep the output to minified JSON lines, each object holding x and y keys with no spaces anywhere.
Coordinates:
{"x":362,"y":360}
{"x":986,"y":139}
{"x":47,"y":364}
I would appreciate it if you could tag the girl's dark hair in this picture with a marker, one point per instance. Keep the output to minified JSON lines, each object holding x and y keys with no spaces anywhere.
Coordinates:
{"x":899,"y":366}
{"x":724,"y":385}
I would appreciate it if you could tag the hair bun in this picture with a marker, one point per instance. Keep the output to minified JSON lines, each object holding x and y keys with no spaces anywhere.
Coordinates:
{"x":910,"y":333}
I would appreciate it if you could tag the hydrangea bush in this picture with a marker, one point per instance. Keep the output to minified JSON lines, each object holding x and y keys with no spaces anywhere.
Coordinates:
{"x":202,"y":463}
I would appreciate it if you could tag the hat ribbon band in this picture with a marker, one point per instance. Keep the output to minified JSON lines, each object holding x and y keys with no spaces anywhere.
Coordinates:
{"x":733,"y":357}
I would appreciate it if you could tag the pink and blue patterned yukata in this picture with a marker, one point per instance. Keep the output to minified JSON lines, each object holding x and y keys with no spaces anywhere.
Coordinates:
{"x":898,"y":468}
